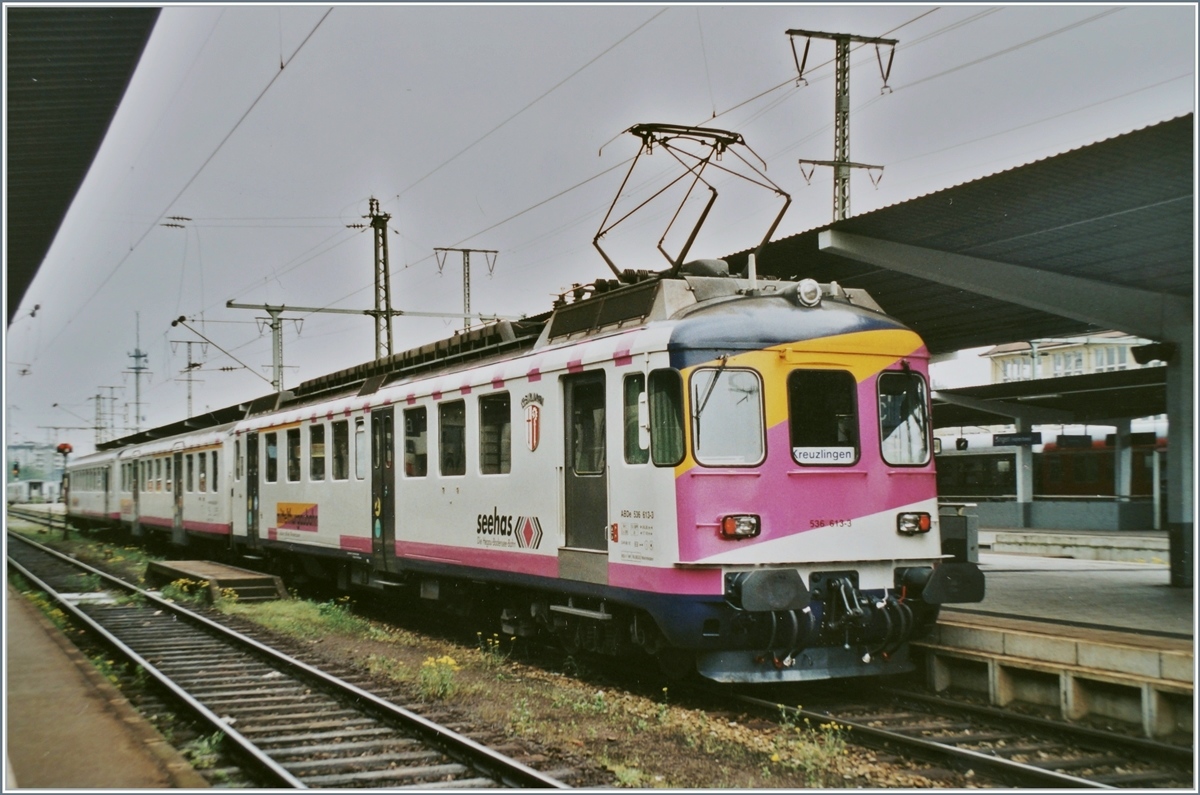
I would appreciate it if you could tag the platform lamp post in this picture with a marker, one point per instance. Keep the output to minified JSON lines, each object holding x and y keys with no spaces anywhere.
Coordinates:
{"x":65,"y":450}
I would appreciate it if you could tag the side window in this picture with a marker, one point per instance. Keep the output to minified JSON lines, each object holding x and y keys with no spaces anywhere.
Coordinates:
{"x":215,"y":483}
{"x":158,"y":480}
{"x":361,"y":465}
{"x":903,"y":419}
{"x":203,"y":473}
{"x":452,"y":438}
{"x":666,"y":417}
{"x":170,"y":480}
{"x":635,"y":387}
{"x":823,"y":417}
{"x":341,"y":450}
{"x":272,"y":440}
{"x":495,"y":434}
{"x":237,"y":459}
{"x":727,"y":417}
{"x":293,"y":455}
{"x":316,"y":452}
{"x":416,"y":461}
{"x":587,"y":423}
{"x":190,"y":468}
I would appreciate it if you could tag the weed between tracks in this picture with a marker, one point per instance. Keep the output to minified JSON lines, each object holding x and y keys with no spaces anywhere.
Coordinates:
{"x":647,"y":738}
{"x":641,"y":740}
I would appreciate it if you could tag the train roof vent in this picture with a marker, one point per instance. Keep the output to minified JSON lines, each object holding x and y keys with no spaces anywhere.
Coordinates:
{"x":600,"y":306}
{"x":705,"y":267}
{"x":495,"y":338}
{"x":371,"y":385}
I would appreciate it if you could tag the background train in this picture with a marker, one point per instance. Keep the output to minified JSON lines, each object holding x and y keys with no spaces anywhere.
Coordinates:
{"x":733,"y":477}
{"x":1078,"y":464}
{"x":32,"y":491}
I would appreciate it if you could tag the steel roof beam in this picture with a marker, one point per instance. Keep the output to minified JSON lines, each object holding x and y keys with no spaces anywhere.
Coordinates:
{"x":1144,"y":313}
{"x":1035,"y":414}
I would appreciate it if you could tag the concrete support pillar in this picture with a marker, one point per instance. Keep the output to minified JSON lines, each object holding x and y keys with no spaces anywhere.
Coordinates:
{"x":1180,"y":405}
{"x":1024,"y":476}
{"x":1123,"y":462}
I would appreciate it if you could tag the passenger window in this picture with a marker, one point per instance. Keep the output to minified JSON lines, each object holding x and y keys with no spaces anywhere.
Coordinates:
{"x":903,"y":419}
{"x":452,"y":438}
{"x":587,"y":426}
{"x":823,"y":417}
{"x":293,"y":455}
{"x":272,"y":474}
{"x":316,"y":452}
{"x":666,"y":417}
{"x":360,"y":449}
{"x":237,"y":459}
{"x":203,"y":474}
{"x":416,"y":460}
{"x":495,"y":434}
{"x":727,"y":417}
{"x":341,"y":450}
{"x":191,"y":465}
{"x":170,"y":480}
{"x":635,"y":387}
{"x":215,"y":484}
{"x":158,"y":480}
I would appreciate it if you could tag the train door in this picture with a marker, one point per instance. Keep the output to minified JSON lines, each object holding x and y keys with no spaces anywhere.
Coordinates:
{"x":383,"y":488}
{"x":135,"y":475}
{"x":585,"y":471}
{"x":252,"y":489}
{"x":178,"y":533}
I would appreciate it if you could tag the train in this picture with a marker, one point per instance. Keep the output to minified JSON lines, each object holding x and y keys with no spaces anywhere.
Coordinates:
{"x":31,"y":491}
{"x":1065,"y":465}
{"x":730,"y":476}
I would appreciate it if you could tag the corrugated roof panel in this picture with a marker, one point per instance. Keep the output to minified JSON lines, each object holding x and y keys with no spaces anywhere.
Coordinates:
{"x":1119,"y":211}
{"x":68,"y":68}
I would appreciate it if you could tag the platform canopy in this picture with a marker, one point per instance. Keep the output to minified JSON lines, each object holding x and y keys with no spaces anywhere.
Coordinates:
{"x":1093,"y":399}
{"x":68,"y":68}
{"x":1097,"y":238}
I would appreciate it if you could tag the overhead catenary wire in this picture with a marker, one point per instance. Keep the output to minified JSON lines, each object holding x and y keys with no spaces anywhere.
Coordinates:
{"x":572,"y":188}
{"x":540,"y":97}
{"x":789,"y":82}
{"x":310,"y":255}
{"x":191,"y":180}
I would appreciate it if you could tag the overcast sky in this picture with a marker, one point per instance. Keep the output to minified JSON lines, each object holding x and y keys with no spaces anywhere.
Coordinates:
{"x":502,"y":128}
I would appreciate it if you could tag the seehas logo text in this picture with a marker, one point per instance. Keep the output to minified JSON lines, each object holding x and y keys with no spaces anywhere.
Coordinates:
{"x":525,"y":532}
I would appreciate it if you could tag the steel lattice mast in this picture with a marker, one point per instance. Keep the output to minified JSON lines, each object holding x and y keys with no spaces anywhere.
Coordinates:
{"x":841,"y":107}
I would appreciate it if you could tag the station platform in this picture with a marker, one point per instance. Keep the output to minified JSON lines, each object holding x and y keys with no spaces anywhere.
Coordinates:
{"x":1087,"y":637}
{"x":66,"y":727}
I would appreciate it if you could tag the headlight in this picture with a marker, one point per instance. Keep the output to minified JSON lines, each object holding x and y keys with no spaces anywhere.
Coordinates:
{"x":909,"y":524}
{"x":740,"y":526}
{"x":808,"y":292}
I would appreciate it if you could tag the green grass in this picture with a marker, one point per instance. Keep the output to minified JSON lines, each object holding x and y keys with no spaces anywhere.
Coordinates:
{"x":307,"y":620}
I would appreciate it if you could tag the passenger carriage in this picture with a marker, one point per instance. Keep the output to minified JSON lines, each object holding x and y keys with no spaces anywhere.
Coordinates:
{"x":731,"y":476}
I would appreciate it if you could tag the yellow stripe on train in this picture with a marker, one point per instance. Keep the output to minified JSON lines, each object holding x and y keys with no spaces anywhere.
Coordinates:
{"x":862,"y":353}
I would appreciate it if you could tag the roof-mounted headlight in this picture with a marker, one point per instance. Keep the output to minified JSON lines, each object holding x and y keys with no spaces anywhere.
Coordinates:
{"x":808,"y":292}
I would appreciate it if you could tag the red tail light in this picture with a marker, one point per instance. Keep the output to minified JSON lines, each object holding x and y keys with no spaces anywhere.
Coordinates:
{"x":737,"y":526}
{"x":910,"y":524}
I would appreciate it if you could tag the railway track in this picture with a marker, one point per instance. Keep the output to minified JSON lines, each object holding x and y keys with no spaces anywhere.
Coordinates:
{"x":1013,"y":749}
{"x":288,"y":724}
{"x":1000,"y":746}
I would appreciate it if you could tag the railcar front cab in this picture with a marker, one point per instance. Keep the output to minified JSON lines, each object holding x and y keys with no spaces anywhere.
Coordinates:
{"x":846,"y":600}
